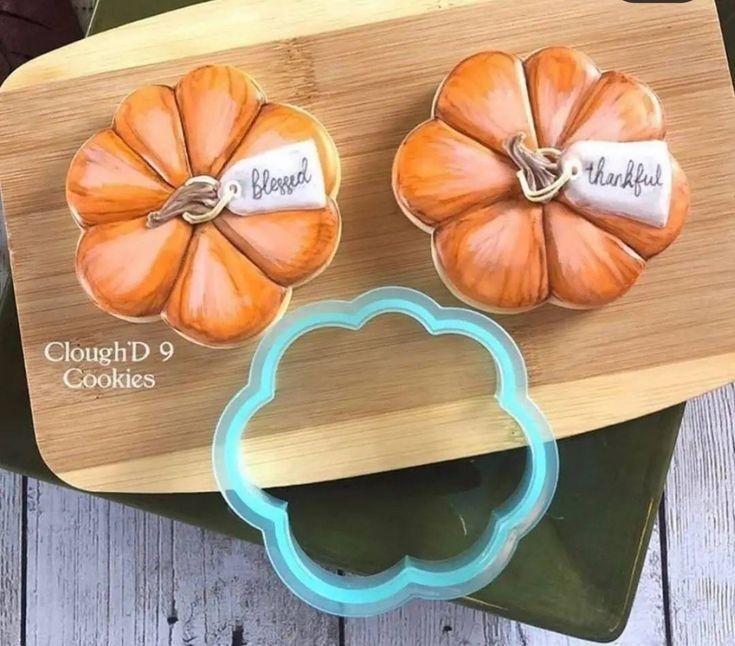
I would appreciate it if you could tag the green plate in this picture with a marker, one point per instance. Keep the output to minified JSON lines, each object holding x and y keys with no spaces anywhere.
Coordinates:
{"x":576,"y":573}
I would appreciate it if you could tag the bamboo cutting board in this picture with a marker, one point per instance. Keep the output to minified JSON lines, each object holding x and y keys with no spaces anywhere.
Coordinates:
{"x":389,"y":396}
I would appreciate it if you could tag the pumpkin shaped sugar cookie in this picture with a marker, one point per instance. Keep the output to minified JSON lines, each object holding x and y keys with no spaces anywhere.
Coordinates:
{"x":543,"y":180}
{"x":204,"y":205}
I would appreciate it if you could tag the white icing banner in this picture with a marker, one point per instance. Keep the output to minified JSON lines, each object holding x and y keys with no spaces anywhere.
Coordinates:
{"x":630,"y":179}
{"x":286,"y":178}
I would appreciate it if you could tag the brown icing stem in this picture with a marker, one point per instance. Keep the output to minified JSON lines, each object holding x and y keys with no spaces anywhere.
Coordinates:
{"x":540,"y":171}
{"x":196,"y":197}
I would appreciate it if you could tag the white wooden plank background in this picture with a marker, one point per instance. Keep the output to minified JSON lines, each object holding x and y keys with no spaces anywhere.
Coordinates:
{"x":700,"y":524}
{"x":11,"y":561}
{"x":79,"y":571}
{"x":100,"y":573}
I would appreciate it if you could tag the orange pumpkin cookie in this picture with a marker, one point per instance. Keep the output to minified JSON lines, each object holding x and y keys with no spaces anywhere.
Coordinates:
{"x":204,"y":205}
{"x":543,"y":180}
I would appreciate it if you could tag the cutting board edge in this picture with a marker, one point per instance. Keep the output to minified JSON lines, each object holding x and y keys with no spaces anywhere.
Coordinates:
{"x":240,"y":30}
{"x":100,"y":478}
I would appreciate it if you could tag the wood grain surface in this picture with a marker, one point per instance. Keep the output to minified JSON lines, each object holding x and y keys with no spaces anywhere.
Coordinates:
{"x":389,"y":396}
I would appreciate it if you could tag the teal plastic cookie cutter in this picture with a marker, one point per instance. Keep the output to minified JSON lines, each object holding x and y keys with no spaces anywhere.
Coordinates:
{"x":410,"y":578}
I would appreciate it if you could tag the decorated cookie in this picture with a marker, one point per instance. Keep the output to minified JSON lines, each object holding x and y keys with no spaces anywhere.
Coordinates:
{"x":543,"y":180}
{"x":205,"y":205}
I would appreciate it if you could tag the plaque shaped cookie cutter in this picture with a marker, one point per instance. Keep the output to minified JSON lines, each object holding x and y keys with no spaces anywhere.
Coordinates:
{"x":410,"y":578}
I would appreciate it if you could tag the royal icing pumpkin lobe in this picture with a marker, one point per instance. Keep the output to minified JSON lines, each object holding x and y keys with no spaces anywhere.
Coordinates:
{"x":217,"y":104}
{"x":148,"y":121}
{"x":280,"y":125}
{"x":290,"y":247}
{"x":620,"y":108}
{"x":107,"y":182}
{"x":558,"y":79}
{"x":485,"y":97}
{"x":588,"y":267}
{"x":439,"y":173}
{"x":220,"y":297}
{"x":495,"y":257}
{"x":129,"y":269}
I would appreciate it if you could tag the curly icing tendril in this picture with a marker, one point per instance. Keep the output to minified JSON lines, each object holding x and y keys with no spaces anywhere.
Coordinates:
{"x":197,"y":201}
{"x":542,"y":174}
